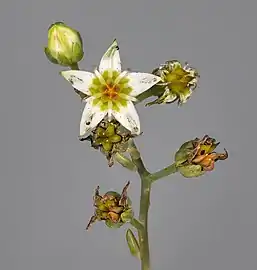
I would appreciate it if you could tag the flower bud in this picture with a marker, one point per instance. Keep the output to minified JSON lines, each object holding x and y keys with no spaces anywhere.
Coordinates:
{"x":114,"y":208}
{"x":177,"y":83}
{"x":65,"y":45}
{"x":132,"y":244}
{"x":195,"y":157}
{"x":111,"y":138}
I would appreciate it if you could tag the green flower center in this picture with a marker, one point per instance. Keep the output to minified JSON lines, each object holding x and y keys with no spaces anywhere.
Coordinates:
{"x":111,"y":90}
{"x":178,"y":79}
{"x":107,"y":137}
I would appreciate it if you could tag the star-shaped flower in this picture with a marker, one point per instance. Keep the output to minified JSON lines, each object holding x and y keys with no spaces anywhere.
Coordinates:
{"x":110,"y":92}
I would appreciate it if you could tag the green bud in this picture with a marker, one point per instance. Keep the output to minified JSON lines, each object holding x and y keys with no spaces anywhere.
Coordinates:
{"x":65,"y":46}
{"x":132,"y":244}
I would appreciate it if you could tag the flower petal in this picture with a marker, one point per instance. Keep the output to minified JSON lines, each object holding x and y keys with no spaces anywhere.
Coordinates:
{"x":140,"y":82}
{"x":128,"y":117}
{"x":111,"y":59}
{"x":79,"y":79}
{"x":91,"y":117}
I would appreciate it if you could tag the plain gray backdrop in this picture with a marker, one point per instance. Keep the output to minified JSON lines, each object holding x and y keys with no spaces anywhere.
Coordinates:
{"x":48,"y":176}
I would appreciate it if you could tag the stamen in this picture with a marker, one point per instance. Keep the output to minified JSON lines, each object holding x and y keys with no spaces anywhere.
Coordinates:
{"x":127,"y":97}
{"x":100,"y":77}
{"x":121,"y":76}
{"x":110,"y":73}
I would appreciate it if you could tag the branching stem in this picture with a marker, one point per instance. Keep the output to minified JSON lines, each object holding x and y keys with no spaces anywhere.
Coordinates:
{"x":146,"y":182}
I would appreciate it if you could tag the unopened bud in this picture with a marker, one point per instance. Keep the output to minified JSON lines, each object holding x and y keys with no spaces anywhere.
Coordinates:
{"x":132,"y":244}
{"x":64,"y":46}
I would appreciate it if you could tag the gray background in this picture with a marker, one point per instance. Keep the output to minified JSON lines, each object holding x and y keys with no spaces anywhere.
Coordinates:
{"x":48,"y":176}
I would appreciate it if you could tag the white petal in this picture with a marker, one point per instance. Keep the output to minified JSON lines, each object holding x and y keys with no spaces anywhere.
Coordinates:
{"x":79,"y":79}
{"x":111,"y":59}
{"x":128,"y":117}
{"x":140,"y":82}
{"x":91,"y":117}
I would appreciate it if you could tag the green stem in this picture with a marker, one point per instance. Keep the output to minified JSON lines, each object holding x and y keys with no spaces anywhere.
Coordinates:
{"x":136,"y":224}
{"x":143,"y":217}
{"x":74,"y":66}
{"x":137,"y":160}
{"x":144,"y":207}
{"x":146,"y":182}
{"x":125,"y":162}
{"x":162,"y":173}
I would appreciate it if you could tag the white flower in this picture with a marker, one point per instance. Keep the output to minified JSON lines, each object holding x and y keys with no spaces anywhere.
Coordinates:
{"x":110,"y":92}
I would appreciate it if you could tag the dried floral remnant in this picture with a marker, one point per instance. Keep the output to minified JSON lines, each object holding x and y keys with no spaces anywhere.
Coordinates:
{"x":113,"y":208}
{"x":197,"y":156}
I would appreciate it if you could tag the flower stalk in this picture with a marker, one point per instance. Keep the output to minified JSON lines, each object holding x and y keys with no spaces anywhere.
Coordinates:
{"x":143,"y":217}
{"x":163,"y":173}
{"x":144,"y":206}
{"x":146,"y":183}
{"x":110,"y":122}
